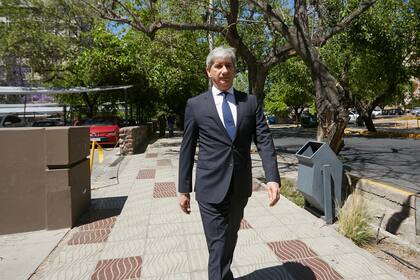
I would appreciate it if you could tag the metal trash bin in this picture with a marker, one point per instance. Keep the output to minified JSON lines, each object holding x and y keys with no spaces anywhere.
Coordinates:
{"x":320,"y":175}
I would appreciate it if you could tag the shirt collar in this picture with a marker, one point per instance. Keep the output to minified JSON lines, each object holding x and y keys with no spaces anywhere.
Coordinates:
{"x":217,"y":91}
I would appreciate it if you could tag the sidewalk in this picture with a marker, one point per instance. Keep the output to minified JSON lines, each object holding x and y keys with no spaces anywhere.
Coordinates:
{"x":135,"y":230}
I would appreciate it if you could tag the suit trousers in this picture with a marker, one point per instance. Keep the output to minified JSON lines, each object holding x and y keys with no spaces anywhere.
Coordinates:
{"x":221,"y":222}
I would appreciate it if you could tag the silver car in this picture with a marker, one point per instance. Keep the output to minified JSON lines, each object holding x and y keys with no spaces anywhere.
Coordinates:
{"x":415,"y":111}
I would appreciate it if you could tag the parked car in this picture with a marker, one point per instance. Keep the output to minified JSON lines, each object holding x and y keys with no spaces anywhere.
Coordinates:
{"x":104,"y":129}
{"x":11,"y":121}
{"x":353,"y":116}
{"x":47,"y":122}
{"x":396,"y":111}
{"x":415,"y":111}
{"x":308,"y":120}
{"x":271,"y":119}
{"x":376,"y":112}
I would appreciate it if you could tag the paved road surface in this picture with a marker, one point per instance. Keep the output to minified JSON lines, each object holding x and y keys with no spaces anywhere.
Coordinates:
{"x":395,"y":161}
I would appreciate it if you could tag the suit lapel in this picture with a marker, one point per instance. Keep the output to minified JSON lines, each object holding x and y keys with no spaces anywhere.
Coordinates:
{"x":239,"y":110}
{"x":213,"y":113}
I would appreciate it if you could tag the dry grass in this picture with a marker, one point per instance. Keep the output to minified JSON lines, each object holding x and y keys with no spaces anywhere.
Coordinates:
{"x":288,"y":190}
{"x":354,"y":219}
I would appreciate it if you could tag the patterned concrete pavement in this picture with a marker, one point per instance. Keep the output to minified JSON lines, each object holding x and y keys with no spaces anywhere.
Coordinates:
{"x":135,"y":230}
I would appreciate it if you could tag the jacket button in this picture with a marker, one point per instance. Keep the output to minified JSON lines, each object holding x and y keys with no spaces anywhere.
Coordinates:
{"x":230,"y":164}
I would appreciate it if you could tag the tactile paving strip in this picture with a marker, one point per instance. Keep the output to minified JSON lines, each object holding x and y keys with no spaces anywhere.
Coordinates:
{"x":151,"y":155}
{"x":164,"y":189}
{"x":291,"y":250}
{"x":124,"y":268}
{"x":89,"y":236}
{"x":163,"y":162}
{"x":245,"y":224}
{"x":146,"y":174}
{"x":302,"y":262}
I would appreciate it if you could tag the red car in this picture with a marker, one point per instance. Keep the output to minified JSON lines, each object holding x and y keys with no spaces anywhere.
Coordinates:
{"x":104,"y":129}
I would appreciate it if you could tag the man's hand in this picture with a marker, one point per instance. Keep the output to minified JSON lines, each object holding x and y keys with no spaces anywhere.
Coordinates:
{"x":273,"y":190}
{"x":184,"y":203}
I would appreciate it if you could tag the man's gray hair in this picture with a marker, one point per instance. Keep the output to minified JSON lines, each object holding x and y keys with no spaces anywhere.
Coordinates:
{"x":220,"y":52}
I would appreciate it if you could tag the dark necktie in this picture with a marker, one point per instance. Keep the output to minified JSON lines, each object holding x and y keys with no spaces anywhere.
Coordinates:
{"x":228,"y":117}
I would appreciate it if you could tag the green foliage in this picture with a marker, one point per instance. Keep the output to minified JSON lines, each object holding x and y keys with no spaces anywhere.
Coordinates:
{"x":354,"y":219}
{"x":175,"y":66}
{"x":382,"y":48}
{"x":64,"y":46}
{"x":288,"y":190}
{"x":291,"y":87}
{"x":40,"y":35}
{"x":108,"y":61}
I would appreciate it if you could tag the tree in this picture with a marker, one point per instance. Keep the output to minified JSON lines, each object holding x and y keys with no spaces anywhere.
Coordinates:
{"x":236,"y":21}
{"x":109,"y":61}
{"x":39,"y":36}
{"x":170,"y":62}
{"x":306,"y":37}
{"x":377,"y":56}
{"x":291,"y":87}
{"x":281,"y":34}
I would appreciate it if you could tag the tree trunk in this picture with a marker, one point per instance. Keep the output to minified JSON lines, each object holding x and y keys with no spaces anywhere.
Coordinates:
{"x":332,"y":115}
{"x":89,"y":104}
{"x":367,"y":119}
{"x":257,"y":75}
{"x":365,"y":112}
{"x":297,"y":115}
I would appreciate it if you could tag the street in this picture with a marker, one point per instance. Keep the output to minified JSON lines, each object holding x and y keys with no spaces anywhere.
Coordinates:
{"x":396,"y":161}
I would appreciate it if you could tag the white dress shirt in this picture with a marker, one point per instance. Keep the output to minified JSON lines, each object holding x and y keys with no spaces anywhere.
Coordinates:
{"x":218,"y":100}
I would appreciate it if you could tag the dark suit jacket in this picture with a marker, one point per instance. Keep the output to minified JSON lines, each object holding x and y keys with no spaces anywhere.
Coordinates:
{"x":219,"y":158}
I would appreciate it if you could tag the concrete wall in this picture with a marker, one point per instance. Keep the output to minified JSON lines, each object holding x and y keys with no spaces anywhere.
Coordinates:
{"x":45,"y":177}
{"x":133,"y":137}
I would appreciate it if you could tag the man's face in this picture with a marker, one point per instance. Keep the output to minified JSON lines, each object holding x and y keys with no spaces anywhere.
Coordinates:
{"x":222,"y":73}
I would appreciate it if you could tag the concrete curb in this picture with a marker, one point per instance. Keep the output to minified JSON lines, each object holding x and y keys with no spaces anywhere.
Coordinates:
{"x":384,"y":134}
{"x":386,"y":191}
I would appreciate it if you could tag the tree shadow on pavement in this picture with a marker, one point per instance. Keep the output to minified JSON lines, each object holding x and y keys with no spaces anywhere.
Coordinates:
{"x":286,"y":271}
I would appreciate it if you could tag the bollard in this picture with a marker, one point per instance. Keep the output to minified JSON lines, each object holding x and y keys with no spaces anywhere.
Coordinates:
{"x":92,"y":154}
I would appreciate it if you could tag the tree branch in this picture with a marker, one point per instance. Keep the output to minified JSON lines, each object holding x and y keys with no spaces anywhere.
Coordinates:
{"x":232,"y":35}
{"x":108,"y":14}
{"x":278,"y":21}
{"x":363,"y":6}
{"x":278,"y":55}
{"x":301,"y":15}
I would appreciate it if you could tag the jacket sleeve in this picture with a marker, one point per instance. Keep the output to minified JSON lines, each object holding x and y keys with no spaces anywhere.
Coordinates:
{"x":265,"y":145}
{"x":187,"y":152}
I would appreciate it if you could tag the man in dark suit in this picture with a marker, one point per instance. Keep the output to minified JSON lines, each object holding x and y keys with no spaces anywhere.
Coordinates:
{"x":223,"y":121}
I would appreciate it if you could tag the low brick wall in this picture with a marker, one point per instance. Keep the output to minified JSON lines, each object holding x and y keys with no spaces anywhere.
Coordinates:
{"x":132,"y":138}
